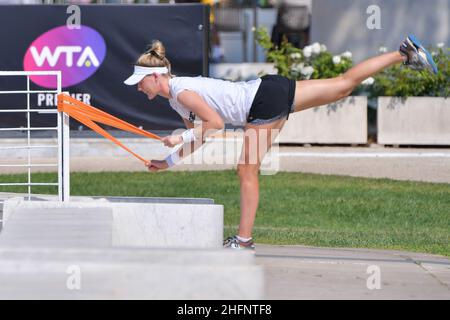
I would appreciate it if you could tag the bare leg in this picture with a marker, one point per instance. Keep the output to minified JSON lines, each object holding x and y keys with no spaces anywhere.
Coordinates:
{"x":248,"y":169}
{"x":312,"y":93}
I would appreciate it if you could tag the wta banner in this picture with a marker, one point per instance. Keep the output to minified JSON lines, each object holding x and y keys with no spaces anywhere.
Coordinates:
{"x":95,"y":48}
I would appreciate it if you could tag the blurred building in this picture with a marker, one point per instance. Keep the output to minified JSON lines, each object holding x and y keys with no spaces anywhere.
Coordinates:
{"x":342,"y":25}
{"x":235,"y":20}
{"x":348,"y":24}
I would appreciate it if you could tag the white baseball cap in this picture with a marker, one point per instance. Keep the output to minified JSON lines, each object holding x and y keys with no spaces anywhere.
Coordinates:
{"x":140,"y":72}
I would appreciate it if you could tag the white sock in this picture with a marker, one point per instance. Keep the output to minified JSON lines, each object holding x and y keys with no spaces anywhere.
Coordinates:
{"x":243,"y":239}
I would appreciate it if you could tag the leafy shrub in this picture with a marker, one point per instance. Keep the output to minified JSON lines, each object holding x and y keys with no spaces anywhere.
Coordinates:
{"x":315,"y":62}
{"x":311,"y":62}
{"x":402,"y":81}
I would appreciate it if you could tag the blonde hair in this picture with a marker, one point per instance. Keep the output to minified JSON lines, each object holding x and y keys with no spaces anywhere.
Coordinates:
{"x":155,"y":56}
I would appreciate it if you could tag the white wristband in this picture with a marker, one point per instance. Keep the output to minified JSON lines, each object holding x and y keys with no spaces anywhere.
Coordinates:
{"x":188,"y":136}
{"x":172,"y":159}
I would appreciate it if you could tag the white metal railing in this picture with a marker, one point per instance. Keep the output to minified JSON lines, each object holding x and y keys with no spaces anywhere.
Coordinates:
{"x":62,"y":129}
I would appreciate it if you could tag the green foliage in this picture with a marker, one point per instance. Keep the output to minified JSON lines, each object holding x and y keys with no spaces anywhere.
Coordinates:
{"x":402,"y":81}
{"x":315,"y":62}
{"x":311,"y":62}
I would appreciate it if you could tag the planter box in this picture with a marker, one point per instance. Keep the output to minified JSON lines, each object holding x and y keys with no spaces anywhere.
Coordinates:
{"x":414,"y":120}
{"x":344,"y":121}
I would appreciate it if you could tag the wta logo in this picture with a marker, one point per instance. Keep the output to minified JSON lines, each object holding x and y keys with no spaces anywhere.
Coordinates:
{"x":77,"y":53}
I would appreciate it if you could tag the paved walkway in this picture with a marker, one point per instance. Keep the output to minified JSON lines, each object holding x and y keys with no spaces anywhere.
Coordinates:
{"x":298,"y":272}
{"x":417,"y":164}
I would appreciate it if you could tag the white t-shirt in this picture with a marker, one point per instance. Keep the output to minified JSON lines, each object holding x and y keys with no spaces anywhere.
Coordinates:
{"x":231,"y":100}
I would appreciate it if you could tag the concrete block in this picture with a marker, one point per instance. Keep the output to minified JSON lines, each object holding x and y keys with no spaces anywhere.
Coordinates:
{"x":147,"y":224}
{"x":59,"y":227}
{"x":413,"y":121}
{"x":168,"y":225}
{"x":62,"y":250}
{"x":155,"y":200}
{"x":43,"y":197}
{"x":129,"y":274}
{"x":344,"y":121}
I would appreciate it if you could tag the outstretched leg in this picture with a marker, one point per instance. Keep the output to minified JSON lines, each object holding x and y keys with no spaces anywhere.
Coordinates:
{"x":312,"y":93}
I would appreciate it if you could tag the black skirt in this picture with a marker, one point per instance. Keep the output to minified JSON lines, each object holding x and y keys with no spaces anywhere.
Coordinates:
{"x":273,"y":100}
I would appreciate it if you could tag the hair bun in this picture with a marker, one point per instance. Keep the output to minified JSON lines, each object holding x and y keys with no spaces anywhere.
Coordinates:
{"x":154,"y":56}
{"x":158,"y":48}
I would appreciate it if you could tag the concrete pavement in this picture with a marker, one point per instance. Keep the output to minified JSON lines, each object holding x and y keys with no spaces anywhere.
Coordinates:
{"x":416,"y":164}
{"x":299,"y":272}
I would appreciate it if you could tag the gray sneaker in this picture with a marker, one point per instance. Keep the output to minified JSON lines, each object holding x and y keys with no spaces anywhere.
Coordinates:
{"x":418,"y":58}
{"x":234,"y":243}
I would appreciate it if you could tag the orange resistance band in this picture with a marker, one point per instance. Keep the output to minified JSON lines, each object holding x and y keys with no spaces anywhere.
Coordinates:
{"x":89,"y":115}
